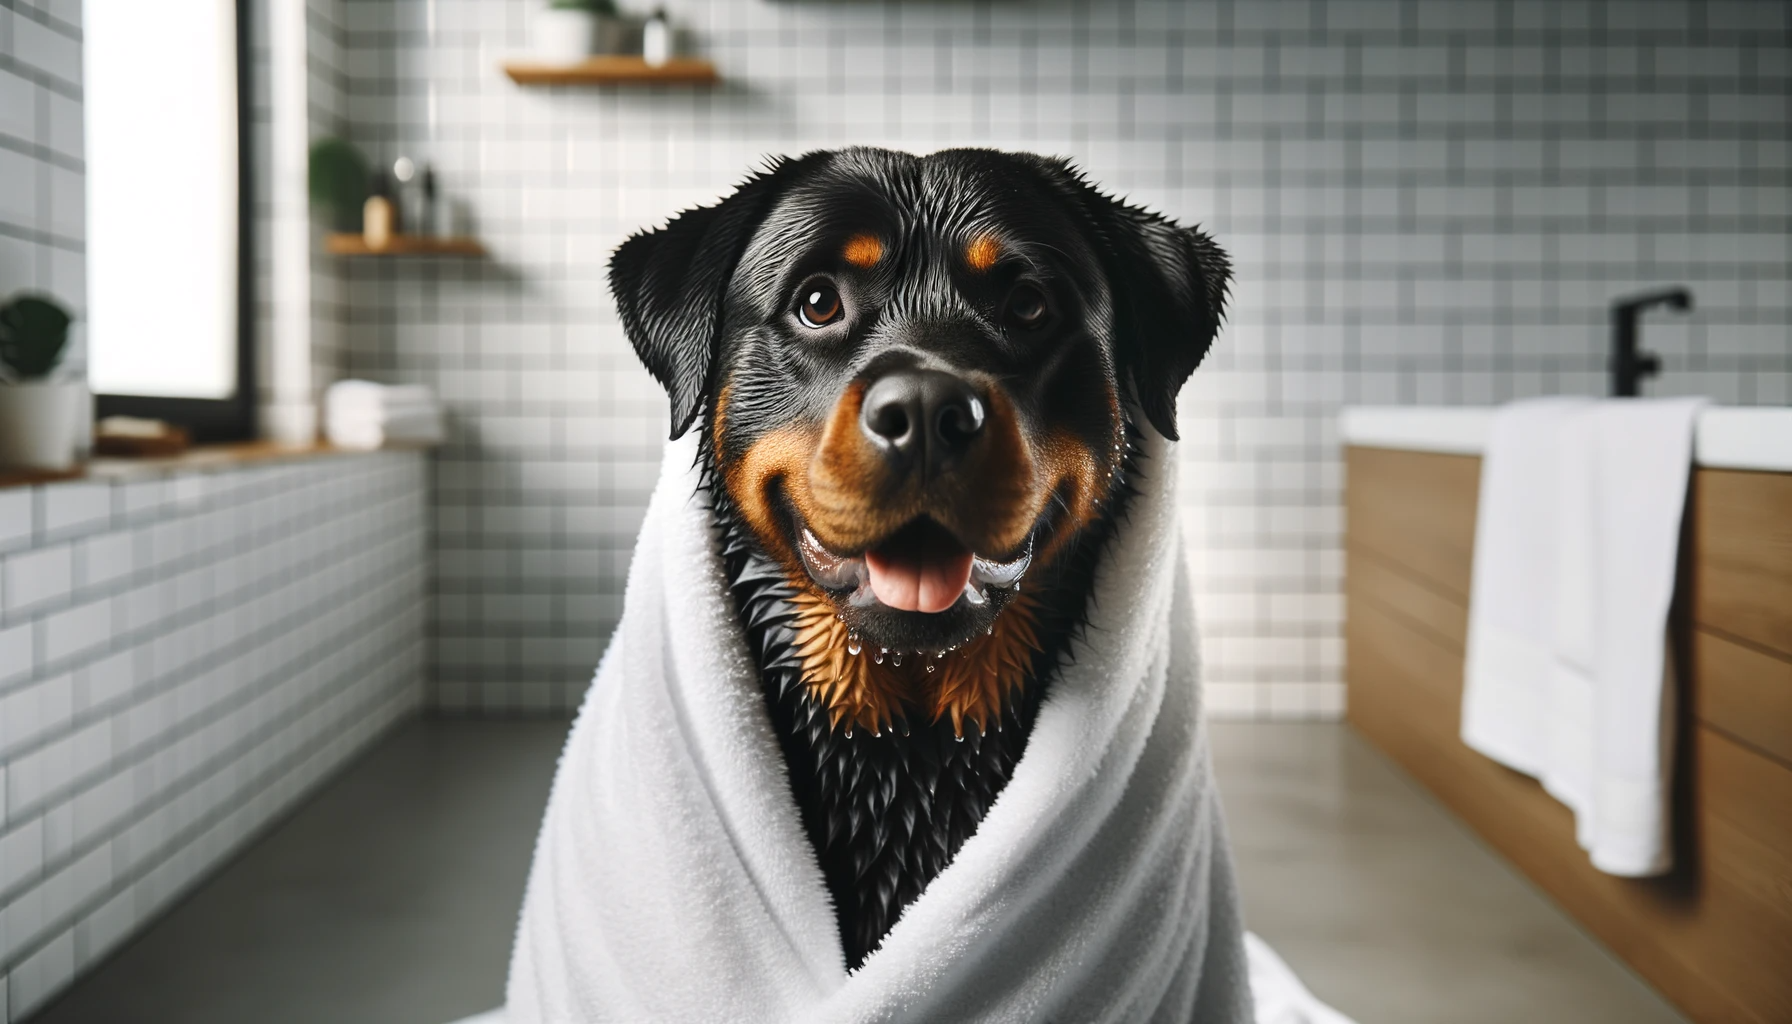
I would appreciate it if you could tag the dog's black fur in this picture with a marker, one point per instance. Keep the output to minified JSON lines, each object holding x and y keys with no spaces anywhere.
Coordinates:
{"x":706,"y":301}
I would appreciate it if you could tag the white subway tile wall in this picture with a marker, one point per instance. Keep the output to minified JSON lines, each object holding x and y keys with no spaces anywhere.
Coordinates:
{"x":43,"y":159}
{"x":1426,"y":203}
{"x":182,"y":658}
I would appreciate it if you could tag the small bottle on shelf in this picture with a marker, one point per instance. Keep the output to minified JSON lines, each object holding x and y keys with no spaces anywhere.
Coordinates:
{"x":656,"y":39}
{"x":377,"y":214}
{"x":407,"y":217}
{"x":430,"y":223}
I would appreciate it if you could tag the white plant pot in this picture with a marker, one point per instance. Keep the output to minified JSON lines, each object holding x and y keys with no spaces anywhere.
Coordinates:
{"x":566,"y":36}
{"x":40,"y":424}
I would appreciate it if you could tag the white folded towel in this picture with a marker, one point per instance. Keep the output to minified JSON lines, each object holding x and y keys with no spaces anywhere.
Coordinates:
{"x":364,"y":415}
{"x":1567,"y":676}
{"x":673,"y":880}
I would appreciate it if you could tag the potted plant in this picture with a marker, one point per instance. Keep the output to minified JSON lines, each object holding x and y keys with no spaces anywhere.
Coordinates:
{"x":337,"y":176}
{"x":568,"y":31}
{"x":39,"y":417}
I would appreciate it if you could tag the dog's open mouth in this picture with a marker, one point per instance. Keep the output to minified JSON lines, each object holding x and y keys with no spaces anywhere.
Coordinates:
{"x":920,"y":568}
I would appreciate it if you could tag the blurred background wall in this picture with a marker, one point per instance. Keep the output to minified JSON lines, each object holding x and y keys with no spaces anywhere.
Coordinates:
{"x":1425,"y":202}
{"x":43,"y":202}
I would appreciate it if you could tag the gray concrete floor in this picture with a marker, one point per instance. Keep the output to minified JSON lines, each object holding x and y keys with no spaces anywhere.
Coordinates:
{"x":1387,"y":906}
{"x":388,"y":898}
{"x":391,"y":897}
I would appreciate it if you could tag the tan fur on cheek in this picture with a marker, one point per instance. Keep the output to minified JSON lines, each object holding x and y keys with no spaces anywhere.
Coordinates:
{"x":779,"y":459}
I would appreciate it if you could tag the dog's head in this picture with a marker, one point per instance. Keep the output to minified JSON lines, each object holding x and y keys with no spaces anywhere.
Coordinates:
{"x":917,"y":370}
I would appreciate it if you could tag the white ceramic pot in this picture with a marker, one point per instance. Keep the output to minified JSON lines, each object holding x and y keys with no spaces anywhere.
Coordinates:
{"x":40,"y":424}
{"x":566,"y":36}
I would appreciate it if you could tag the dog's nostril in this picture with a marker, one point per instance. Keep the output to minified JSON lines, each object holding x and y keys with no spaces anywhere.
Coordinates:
{"x":889,"y":421}
{"x":892,"y":408}
{"x":960,"y":419}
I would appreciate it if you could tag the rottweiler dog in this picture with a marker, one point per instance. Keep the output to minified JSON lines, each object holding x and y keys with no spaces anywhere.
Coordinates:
{"x":917,"y":380}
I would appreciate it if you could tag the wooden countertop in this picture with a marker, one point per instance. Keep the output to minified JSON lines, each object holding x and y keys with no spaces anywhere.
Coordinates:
{"x":199,"y":459}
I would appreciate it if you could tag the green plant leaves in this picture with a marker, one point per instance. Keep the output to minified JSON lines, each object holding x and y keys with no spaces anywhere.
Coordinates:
{"x":338,"y":178}
{"x":33,"y":333}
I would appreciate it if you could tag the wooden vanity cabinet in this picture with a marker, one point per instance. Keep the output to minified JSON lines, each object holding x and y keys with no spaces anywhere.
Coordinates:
{"x":1714,"y":936}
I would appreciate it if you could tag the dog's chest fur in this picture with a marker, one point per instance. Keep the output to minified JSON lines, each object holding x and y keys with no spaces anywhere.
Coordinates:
{"x":886,"y":813}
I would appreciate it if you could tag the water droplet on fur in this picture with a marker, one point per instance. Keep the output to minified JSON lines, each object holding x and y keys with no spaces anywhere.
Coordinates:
{"x":939,"y":654}
{"x":896,"y":658}
{"x":959,"y":738}
{"x":879,"y":656}
{"x":852,"y":643}
{"x":849,"y":734}
{"x":930,"y":670}
{"x":989,"y":630}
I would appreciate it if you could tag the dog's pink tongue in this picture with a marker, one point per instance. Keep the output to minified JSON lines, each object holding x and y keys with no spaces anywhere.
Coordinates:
{"x":926,"y":576}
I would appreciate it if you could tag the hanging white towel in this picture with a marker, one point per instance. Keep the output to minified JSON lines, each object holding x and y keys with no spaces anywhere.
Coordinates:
{"x":673,"y":880}
{"x":1567,"y":676}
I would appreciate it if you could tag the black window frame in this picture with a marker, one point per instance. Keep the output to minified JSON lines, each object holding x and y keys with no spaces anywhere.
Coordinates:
{"x":220,"y":420}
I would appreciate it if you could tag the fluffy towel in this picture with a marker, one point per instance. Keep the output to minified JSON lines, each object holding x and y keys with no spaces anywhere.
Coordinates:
{"x":364,"y":415}
{"x":1567,"y":677}
{"x":673,"y":880}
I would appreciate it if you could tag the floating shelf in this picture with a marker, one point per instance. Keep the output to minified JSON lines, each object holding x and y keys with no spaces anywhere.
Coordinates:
{"x":343,"y":243}
{"x":614,"y":69}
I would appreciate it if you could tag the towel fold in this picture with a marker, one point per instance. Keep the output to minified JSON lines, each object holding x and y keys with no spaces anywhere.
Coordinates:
{"x":673,"y":880}
{"x":1568,"y":677}
{"x":364,"y":415}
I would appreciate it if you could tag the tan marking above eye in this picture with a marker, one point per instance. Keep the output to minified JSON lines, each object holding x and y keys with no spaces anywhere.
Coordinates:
{"x":982,"y":253}
{"x":863,"y":250}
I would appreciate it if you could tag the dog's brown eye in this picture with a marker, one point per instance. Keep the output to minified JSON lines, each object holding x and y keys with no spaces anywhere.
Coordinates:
{"x":1026,"y":306}
{"x":820,"y":305}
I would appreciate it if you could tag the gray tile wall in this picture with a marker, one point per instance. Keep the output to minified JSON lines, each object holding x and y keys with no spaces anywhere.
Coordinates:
{"x":181,"y":659}
{"x":42,"y":159}
{"x":1427,"y":203}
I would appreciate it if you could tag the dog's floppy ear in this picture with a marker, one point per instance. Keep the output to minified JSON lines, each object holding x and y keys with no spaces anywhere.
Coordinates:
{"x":1169,"y":291}
{"x":669,"y":284}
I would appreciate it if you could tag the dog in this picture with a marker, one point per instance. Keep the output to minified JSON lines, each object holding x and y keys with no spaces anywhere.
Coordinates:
{"x":918,"y":382}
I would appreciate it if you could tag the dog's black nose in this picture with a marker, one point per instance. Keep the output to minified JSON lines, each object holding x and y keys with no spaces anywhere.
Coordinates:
{"x":925,"y":415}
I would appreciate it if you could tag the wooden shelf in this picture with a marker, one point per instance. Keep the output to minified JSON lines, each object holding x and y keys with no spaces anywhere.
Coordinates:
{"x":343,"y":243}
{"x":614,"y":69}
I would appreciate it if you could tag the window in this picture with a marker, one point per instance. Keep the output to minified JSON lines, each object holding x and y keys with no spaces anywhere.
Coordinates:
{"x":168,"y":251}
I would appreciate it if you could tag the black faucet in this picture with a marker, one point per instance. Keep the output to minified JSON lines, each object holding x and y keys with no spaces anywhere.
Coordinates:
{"x":1629,"y":364}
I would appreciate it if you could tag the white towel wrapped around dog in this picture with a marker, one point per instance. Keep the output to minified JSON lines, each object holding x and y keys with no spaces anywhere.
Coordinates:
{"x":673,"y":880}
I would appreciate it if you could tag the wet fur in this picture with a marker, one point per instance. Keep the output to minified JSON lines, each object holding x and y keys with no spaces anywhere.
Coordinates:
{"x":893,"y":767}
{"x":887,"y":812}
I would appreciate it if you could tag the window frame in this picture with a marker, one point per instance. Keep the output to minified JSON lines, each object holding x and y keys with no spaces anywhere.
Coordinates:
{"x":218,"y":420}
